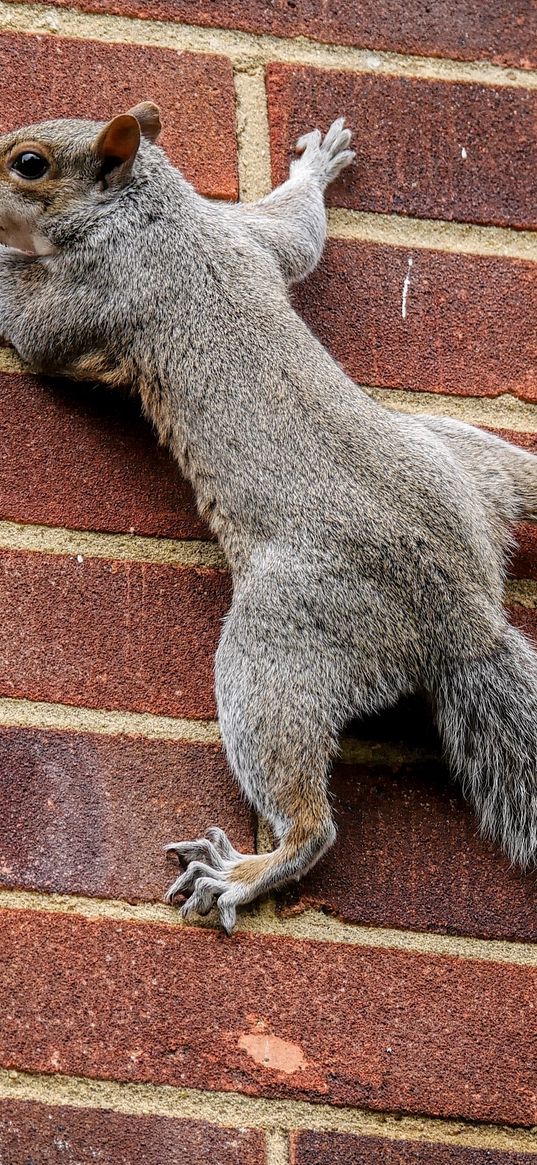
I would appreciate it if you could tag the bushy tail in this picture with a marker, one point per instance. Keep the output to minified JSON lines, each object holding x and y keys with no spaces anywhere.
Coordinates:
{"x":487,"y":718}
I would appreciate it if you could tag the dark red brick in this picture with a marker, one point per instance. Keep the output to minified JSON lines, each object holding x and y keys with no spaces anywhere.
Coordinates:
{"x":60,"y":1135}
{"x":89,"y":814}
{"x":110,"y":634}
{"x":525,"y":618}
{"x":267,"y":1016}
{"x":469,"y":319}
{"x":75,"y":78}
{"x":524,"y":559}
{"x":408,"y":855}
{"x":502,"y":33}
{"x":84,"y":458}
{"x":334,"y":1149}
{"x":409,"y":135}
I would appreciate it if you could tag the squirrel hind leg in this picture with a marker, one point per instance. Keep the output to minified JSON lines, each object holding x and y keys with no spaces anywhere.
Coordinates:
{"x":281,"y":703}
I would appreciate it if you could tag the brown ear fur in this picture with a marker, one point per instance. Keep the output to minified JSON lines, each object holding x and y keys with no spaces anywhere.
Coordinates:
{"x":118,"y":142}
{"x":147,"y":115}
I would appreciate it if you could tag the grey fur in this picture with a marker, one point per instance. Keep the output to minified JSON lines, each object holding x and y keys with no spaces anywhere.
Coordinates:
{"x":367,"y":547}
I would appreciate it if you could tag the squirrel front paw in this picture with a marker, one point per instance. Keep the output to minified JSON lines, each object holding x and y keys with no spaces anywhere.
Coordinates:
{"x":324,"y":157}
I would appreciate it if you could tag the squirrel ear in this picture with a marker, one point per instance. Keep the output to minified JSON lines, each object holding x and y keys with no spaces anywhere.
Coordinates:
{"x":147,"y":115}
{"x":117,"y":144}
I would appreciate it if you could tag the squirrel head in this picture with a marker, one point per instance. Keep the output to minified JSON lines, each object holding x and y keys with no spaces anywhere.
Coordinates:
{"x":47,"y":170}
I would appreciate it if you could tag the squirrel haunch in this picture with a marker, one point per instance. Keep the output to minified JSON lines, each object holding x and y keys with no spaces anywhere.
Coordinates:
{"x":367,"y":547}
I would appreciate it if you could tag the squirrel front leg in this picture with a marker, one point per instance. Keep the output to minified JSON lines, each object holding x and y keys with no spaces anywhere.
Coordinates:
{"x":291,"y":221}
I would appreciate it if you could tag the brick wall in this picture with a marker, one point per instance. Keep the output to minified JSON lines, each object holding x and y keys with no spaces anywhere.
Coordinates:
{"x":385,"y":1010}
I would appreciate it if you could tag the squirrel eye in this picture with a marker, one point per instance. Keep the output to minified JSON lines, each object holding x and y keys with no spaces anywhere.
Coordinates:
{"x":30,"y":164}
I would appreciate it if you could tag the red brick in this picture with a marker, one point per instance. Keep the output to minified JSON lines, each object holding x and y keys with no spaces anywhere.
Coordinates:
{"x":469,"y":31}
{"x":88,"y":814}
{"x":524,"y":559}
{"x":409,"y":135}
{"x":468,"y":328}
{"x":334,"y":1149}
{"x":268,"y":1016}
{"x":408,"y":855}
{"x":75,"y":78}
{"x":526,"y":619}
{"x":110,"y":634}
{"x":60,"y":1135}
{"x":84,"y":458}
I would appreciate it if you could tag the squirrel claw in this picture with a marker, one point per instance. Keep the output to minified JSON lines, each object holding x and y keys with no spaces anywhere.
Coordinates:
{"x":327,"y":156}
{"x":210,"y":861}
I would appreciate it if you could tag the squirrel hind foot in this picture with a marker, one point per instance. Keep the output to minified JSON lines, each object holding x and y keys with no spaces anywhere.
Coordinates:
{"x":218,"y":875}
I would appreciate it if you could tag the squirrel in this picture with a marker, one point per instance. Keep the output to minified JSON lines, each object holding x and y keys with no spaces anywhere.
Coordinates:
{"x":367,"y":547}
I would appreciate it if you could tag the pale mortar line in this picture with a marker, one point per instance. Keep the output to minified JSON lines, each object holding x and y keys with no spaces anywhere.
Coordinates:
{"x":277,"y":1148}
{"x":373,"y":752}
{"x":427,"y":234}
{"x":69,"y":718}
{"x":500,"y":412}
{"x":236,"y":1110}
{"x":246,"y":49}
{"x":310,"y":926}
{"x":17,"y":713}
{"x":82,"y":544}
{"x":10,"y":362}
{"x":522,"y":591}
{"x":253,"y":139}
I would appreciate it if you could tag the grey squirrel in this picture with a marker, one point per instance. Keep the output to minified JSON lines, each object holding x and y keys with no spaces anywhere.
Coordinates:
{"x":367,"y":547}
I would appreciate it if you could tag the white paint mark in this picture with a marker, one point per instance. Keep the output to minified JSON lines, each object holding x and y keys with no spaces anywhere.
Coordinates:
{"x":80,"y":558}
{"x":464,"y":153}
{"x":406,"y":286}
{"x":373,"y":62}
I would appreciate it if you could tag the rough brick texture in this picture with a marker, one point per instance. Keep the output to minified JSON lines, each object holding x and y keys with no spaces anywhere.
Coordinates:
{"x":407,"y":854}
{"x":110,"y":634}
{"x":434,"y":149}
{"x":525,"y":618}
{"x":72,"y":78}
{"x":333,"y":1149}
{"x":272,"y":1017}
{"x":83,"y":813}
{"x":88,"y":814}
{"x":468,"y":327}
{"x":78,"y":456}
{"x":60,"y":1135}
{"x":503,"y":32}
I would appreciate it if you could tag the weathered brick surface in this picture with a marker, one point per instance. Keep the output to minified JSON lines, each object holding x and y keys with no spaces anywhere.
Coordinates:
{"x":333,"y":1149}
{"x":524,"y":558}
{"x":525,"y":618}
{"x":61,"y":1135}
{"x":72,"y":78}
{"x":434,"y":149}
{"x":468,"y":327}
{"x":82,"y":457}
{"x":110,"y":634}
{"x":523,"y":562}
{"x":408,"y":854}
{"x":89,"y":814}
{"x":262,"y":1015}
{"x":502,"y":33}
